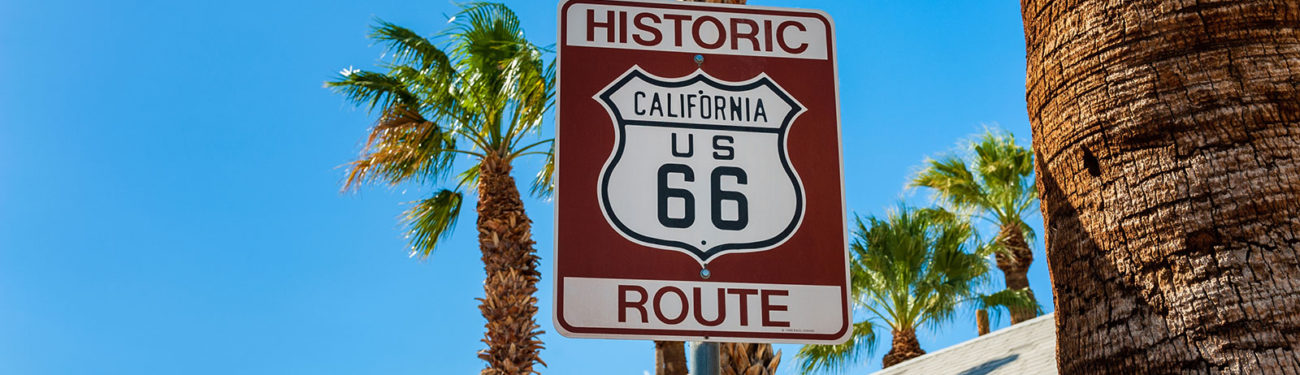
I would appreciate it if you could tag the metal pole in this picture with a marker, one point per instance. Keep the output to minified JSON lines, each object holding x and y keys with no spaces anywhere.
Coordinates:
{"x":704,"y":355}
{"x":704,"y":358}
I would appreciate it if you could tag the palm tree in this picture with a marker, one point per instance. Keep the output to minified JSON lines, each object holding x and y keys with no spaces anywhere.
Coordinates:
{"x":914,"y":268}
{"x":1169,"y":170}
{"x":995,"y":183}
{"x":482,"y":95}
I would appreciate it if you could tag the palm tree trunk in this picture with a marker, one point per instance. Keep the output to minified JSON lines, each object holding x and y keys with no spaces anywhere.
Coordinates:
{"x":747,"y":359}
{"x":904,"y":347}
{"x":1014,"y":264}
{"x":982,"y":321}
{"x":504,"y":235}
{"x":670,"y":358}
{"x":1168,"y":163}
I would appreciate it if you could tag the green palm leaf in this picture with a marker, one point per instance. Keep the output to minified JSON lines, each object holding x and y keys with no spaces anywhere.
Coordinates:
{"x":409,"y":48}
{"x":432,"y":219}
{"x":995,"y":179}
{"x":544,"y":182}
{"x":837,"y":358}
{"x":913,"y":268}
{"x":374,"y":90}
{"x":1005,"y":300}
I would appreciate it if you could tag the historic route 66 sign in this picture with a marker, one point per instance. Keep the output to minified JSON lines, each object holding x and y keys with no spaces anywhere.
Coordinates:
{"x":696,"y":159}
{"x":699,"y":189}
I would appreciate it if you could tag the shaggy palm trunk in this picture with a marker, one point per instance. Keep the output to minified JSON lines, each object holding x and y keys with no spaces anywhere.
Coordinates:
{"x":1014,"y":264}
{"x":1167,"y":140}
{"x":504,"y":235}
{"x":670,"y":358}
{"x":904,"y":347}
{"x":747,"y":359}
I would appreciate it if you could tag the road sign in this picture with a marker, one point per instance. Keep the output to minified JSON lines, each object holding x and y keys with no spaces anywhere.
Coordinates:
{"x":699,"y":179}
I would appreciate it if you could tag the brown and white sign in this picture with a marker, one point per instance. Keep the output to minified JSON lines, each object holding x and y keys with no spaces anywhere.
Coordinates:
{"x":699,"y":180}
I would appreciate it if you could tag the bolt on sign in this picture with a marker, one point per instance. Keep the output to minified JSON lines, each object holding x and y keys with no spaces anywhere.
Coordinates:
{"x":699,"y":177}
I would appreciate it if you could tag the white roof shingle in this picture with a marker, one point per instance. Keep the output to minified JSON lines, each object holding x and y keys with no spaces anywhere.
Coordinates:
{"x":1025,"y":348}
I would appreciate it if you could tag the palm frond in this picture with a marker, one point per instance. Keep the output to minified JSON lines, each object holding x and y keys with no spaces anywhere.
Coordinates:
{"x":952,"y":181}
{"x":544,"y":183}
{"x":435,"y":88}
{"x":374,"y":90}
{"x":995,"y":176}
{"x":838,"y":358}
{"x":1000,"y":160}
{"x":992,"y":247}
{"x":408,"y":47}
{"x":484,"y":37}
{"x":530,"y":85}
{"x":468,"y":178}
{"x":914,"y":267}
{"x":432,"y":219}
{"x":403,"y":145}
{"x":1005,"y":300}
{"x":485,"y":29}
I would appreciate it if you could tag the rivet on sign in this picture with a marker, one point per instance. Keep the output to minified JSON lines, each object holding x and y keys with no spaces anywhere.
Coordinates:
{"x":704,"y":272}
{"x":699,"y":59}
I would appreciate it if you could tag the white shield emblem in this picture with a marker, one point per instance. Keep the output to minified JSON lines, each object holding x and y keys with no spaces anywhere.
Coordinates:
{"x":700,"y":165}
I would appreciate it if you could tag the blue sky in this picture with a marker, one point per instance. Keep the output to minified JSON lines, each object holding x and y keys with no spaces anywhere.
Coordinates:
{"x":169,"y":183}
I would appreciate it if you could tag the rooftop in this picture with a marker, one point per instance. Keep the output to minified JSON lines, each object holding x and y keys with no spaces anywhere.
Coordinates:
{"x":1025,"y":348}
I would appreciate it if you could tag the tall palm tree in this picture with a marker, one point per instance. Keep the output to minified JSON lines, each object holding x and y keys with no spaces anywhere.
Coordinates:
{"x":994,"y":182}
{"x":914,"y":268}
{"x":482,"y":95}
{"x":1169,"y":170}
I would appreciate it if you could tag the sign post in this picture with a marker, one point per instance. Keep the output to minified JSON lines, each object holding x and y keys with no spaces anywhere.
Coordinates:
{"x":704,"y":358}
{"x":699,"y":178}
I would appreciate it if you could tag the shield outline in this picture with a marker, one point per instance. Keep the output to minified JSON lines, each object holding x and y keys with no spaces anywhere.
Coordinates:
{"x":699,"y":75}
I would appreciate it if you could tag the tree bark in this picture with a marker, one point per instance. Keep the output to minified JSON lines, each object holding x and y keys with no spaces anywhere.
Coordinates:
{"x":670,"y":358}
{"x":508,"y":305}
{"x":982,"y":321}
{"x":1167,"y":142}
{"x":904,"y":347}
{"x":747,"y":359}
{"x":1015,"y":268}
